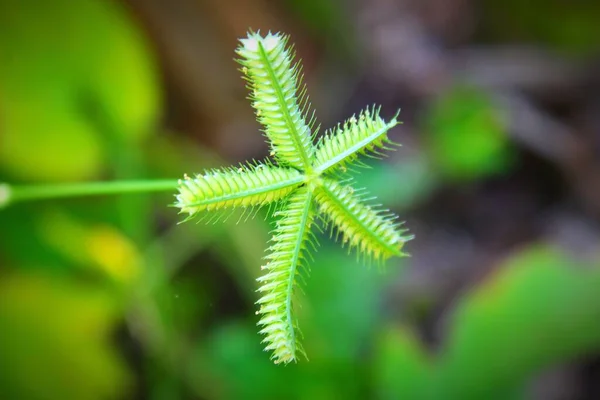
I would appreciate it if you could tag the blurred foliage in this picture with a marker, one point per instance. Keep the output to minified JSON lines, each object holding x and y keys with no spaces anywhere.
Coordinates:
{"x":45,"y":319}
{"x":500,"y":335}
{"x":337,"y":324}
{"x":70,"y":91}
{"x":466,"y":135}
{"x":514,"y":324}
{"x":402,"y":368}
{"x":417,"y":178}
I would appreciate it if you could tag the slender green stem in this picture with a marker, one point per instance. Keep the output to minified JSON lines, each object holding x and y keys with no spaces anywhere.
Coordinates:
{"x":10,"y":194}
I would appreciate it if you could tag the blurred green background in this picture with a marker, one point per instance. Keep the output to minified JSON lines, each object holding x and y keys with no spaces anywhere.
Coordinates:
{"x":498,"y":178}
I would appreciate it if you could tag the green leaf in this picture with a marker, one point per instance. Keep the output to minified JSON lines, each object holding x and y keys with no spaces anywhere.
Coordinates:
{"x":401,"y":184}
{"x":230,"y":365}
{"x":339,"y":315}
{"x":539,"y":309}
{"x":402,"y":369}
{"x":72,"y":75}
{"x":342,"y":308}
{"x":466,"y":135}
{"x":55,"y":340}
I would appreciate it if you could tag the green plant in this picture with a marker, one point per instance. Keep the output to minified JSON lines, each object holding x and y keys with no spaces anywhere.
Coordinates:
{"x":304,"y":182}
{"x":496,"y":337}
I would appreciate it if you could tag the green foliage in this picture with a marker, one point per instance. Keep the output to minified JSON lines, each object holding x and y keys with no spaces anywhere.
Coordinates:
{"x":466,"y":135}
{"x":402,"y":184}
{"x":514,"y":324}
{"x":339,"y":316}
{"x":46,"y":319}
{"x":501,"y":333}
{"x":307,"y":174}
{"x":67,"y":94}
{"x":78,"y":98}
{"x":402,"y":368}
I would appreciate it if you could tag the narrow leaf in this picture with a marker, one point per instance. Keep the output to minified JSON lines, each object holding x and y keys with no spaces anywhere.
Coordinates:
{"x":245,"y":186}
{"x":286,"y":256}
{"x":539,"y":309}
{"x":342,"y":145}
{"x":372,"y":232}
{"x":402,"y":368}
{"x":273,"y":82}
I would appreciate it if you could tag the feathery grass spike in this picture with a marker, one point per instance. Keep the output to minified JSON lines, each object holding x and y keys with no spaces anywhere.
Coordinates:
{"x":304,"y":182}
{"x":273,"y":81}
{"x":372,"y":232}
{"x":343,"y":144}
{"x":284,"y":260}
{"x":231,"y":187}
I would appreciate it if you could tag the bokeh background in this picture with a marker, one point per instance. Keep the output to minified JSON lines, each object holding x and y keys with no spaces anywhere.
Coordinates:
{"x":498,"y":178}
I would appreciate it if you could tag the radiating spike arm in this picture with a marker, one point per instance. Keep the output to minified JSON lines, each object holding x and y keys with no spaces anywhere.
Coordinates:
{"x":372,"y":232}
{"x":245,"y":186}
{"x":273,"y":81}
{"x":283,"y":269}
{"x":342,"y":145}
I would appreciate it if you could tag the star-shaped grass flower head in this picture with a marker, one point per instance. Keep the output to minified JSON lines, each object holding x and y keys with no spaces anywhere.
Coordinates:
{"x":304,"y":181}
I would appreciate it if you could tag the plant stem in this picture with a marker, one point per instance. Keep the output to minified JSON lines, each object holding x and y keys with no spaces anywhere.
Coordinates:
{"x":10,"y":194}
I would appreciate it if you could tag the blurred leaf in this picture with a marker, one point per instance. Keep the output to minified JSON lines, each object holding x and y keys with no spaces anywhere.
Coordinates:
{"x":72,"y":73}
{"x":21,"y":239}
{"x":54,"y":340}
{"x":59,"y":235}
{"x":173,"y":154}
{"x":401,"y":367}
{"x":338,"y":316}
{"x":538,"y":310}
{"x":97,"y":247}
{"x":241,"y":249}
{"x":466,"y":135}
{"x":399,"y":185}
{"x":341,"y":306}
{"x":232,"y":365}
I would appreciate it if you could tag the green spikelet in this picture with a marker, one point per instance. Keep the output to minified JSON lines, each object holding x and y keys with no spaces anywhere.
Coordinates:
{"x":362,"y":135}
{"x":306,"y":175}
{"x":273,"y":82}
{"x":244,"y":186}
{"x":284,"y":260}
{"x":372,"y":232}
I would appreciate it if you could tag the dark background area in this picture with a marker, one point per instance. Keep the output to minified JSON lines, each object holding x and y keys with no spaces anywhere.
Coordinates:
{"x":498,"y":178}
